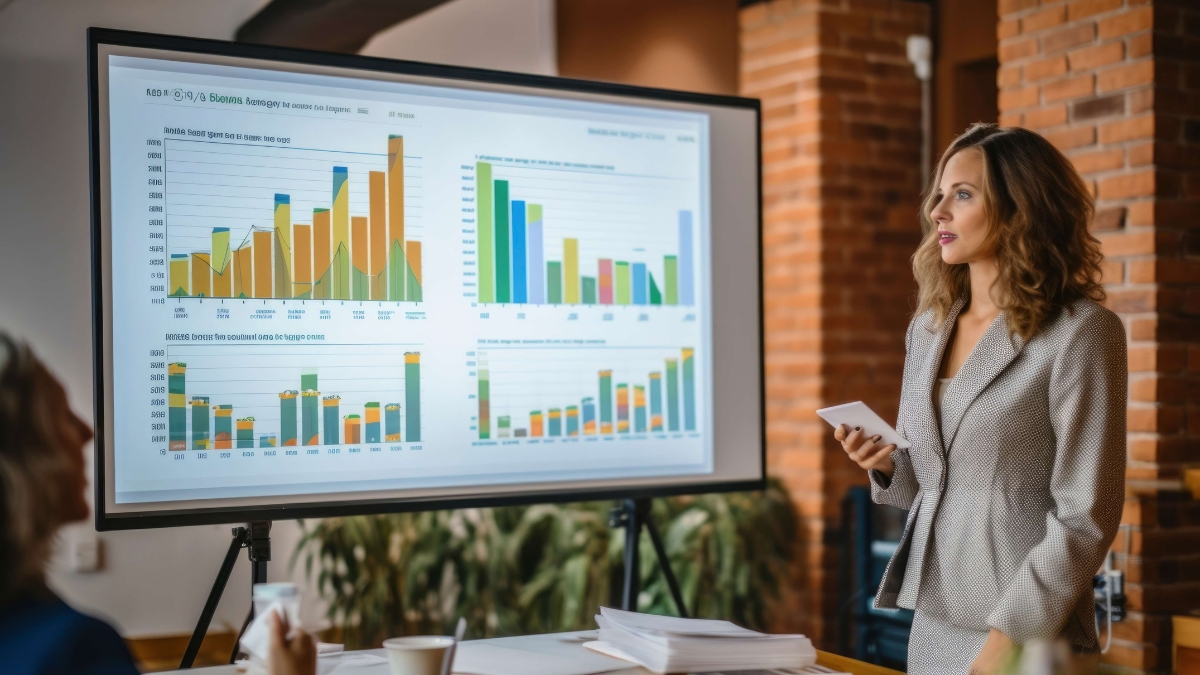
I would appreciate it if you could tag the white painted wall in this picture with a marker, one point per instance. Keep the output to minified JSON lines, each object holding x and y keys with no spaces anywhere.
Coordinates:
{"x":498,"y":34}
{"x":153,"y":581}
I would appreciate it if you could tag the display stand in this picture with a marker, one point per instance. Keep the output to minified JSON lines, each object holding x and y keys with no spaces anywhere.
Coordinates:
{"x":633,"y":515}
{"x":256,"y":537}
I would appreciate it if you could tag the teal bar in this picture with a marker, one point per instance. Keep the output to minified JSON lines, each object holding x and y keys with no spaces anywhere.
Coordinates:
{"x":503,"y":257}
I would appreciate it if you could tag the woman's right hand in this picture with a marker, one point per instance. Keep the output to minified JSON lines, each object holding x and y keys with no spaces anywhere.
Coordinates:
{"x":865,"y":450}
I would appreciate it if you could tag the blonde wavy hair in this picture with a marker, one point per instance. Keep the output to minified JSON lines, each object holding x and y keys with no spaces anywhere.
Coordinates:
{"x":1038,"y":210}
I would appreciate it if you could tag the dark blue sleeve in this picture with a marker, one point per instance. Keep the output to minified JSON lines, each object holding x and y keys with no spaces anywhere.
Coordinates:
{"x":50,"y":638}
{"x":97,"y":649}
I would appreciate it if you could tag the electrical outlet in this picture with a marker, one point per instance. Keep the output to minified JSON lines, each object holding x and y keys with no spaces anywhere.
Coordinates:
{"x":84,"y":552}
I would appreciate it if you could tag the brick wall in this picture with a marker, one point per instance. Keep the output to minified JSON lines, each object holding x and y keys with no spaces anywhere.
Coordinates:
{"x":841,"y":153}
{"x":1116,"y":85}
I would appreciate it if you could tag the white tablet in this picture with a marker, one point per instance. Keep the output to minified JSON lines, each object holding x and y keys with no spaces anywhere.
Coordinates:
{"x":857,"y":414}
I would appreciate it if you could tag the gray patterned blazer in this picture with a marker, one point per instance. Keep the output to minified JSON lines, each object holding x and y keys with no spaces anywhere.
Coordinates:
{"x":1016,"y":492}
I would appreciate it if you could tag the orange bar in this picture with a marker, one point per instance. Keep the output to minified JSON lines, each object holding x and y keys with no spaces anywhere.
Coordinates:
{"x":414,"y":263}
{"x":322,"y":280}
{"x":359,"y":243}
{"x":377,"y":183}
{"x":302,"y":260}
{"x":395,"y":188}
{"x":263,"y":271}
{"x":243,"y":273}
{"x":201,"y":275}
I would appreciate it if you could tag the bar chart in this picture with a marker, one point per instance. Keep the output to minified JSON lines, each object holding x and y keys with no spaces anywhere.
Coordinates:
{"x":546,"y":393}
{"x":563,"y":236}
{"x":222,"y":397}
{"x":277,"y":222}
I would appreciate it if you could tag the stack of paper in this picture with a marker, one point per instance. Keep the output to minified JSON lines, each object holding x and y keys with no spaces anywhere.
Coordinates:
{"x":672,"y":645}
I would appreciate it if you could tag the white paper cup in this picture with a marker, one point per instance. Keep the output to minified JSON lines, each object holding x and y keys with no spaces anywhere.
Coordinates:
{"x":417,"y":654}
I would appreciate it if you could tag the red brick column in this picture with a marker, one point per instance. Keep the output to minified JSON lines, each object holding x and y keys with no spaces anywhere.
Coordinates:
{"x":1116,"y":85}
{"x":841,"y":153}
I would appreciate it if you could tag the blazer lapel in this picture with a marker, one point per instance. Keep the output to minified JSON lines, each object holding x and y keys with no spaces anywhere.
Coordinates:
{"x":992,"y":354}
{"x":930,"y":367}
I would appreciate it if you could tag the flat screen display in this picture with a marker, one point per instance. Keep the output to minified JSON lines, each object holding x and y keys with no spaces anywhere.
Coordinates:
{"x":332,"y":284}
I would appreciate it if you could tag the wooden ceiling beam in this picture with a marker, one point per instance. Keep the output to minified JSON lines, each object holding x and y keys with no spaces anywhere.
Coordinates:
{"x":327,"y":25}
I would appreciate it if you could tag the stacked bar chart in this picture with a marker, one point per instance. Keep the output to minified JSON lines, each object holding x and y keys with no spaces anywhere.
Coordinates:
{"x":618,"y":401}
{"x":231,"y":405}
{"x":518,"y":262}
{"x":344,"y":248}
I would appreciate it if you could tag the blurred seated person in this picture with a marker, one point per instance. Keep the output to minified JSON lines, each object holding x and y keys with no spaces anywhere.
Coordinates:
{"x":43,"y":485}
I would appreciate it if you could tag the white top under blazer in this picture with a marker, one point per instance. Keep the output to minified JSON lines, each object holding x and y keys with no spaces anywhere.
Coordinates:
{"x":1015,"y":486}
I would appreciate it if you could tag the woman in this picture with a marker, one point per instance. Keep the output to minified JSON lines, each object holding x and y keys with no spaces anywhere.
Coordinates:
{"x":43,"y":485}
{"x":1013,"y":401}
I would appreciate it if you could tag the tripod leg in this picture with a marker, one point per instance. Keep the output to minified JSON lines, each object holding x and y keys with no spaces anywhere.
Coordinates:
{"x":633,"y":579}
{"x":214,"y":597}
{"x":245,"y":625}
{"x":665,"y":564}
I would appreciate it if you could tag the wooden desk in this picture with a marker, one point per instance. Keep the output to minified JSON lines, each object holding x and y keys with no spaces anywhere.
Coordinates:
{"x":832,"y":661}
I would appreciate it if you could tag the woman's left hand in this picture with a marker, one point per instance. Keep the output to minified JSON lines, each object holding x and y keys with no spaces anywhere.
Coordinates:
{"x":992,"y":656}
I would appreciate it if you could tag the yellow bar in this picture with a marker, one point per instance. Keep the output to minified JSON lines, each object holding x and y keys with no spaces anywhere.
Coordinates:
{"x":372,"y":414}
{"x":321,"y":254}
{"x":262,"y":265}
{"x":302,"y":261}
{"x":222,"y":280}
{"x":243,"y":276}
{"x":412,"y":357}
{"x":377,"y":182}
{"x":201,"y":275}
{"x":341,"y":234}
{"x":179,"y":276}
{"x":571,"y":271}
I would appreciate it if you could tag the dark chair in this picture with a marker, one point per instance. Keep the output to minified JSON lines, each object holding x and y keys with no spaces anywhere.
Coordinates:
{"x":871,"y":533}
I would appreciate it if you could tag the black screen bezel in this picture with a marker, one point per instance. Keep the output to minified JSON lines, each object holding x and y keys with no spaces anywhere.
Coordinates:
{"x":207,"y":516}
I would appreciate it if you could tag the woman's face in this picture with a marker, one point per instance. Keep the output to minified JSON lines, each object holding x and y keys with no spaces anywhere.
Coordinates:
{"x":958,"y":210}
{"x":73,"y":436}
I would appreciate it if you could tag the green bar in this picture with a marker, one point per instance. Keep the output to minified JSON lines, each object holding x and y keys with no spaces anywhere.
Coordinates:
{"x":656,"y":421}
{"x":331,"y":405}
{"x":483,"y":230}
{"x":589,"y":290}
{"x":200,"y":439}
{"x":415,"y":294}
{"x":503,"y":261}
{"x":503,"y":424}
{"x":245,"y":432}
{"x":412,"y":396}
{"x":670,"y":271}
{"x":287,"y":417}
{"x":606,"y":402}
{"x":655,"y":294}
{"x":622,"y":283}
{"x":689,"y":389}
{"x":639,"y":409}
{"x":391,"y":423}
{"x":396,"y":267}
{"x":177,"y":411}
{"x":554,"y":283}
{"x":554,"y":422}
{"x":672,"y":394}
{"x":360,"y":288}
{"x":310,"y":405}
{"x":485,"y":403}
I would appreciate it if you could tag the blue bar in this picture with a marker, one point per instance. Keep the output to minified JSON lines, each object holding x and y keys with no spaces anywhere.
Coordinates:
{"x":537,"y":268}
{"x":639,"y":283}
{"x":686,"y":277}
{"x":518,"y":251}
